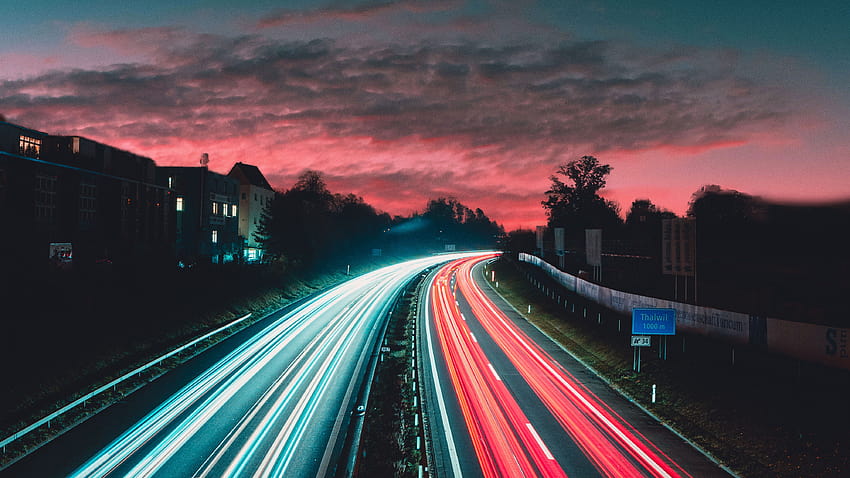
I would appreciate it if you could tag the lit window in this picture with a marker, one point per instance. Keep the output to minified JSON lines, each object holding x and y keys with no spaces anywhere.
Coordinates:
{"x":75,"y":145}
{"x":170,"y":181}
{"x":30,"y":147}
{"x":233,"y":210}
{"x":179,"y":203}
{"x":215,"y":207}
{"x":215,"y":237}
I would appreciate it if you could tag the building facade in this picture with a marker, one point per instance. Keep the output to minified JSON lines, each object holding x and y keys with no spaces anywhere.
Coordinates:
{"x":255,"y":196}
{"x":207,"y":210}
{"x":70,"y":200}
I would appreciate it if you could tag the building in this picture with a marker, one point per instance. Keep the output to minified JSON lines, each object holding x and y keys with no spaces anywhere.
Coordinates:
{"x":255,"y":195}
{"x":72,"y":200}
{"x":207,"y":208}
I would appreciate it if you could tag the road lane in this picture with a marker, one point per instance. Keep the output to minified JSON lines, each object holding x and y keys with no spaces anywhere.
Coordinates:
{"x":589,"y":437}
{"x":276,"y":404}
{"x":504,"y":441}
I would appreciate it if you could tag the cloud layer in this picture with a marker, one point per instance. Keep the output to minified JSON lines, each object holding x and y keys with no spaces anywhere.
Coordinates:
{"x":396,"y":123}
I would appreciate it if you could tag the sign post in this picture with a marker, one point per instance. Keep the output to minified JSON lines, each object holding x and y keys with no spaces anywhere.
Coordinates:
{"x":593,"y":251}
{"x":639,"y":341}
{"x":647,"y":322}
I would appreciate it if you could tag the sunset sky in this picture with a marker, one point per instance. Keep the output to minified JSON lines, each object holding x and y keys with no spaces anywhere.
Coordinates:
{"x":402,"y":101}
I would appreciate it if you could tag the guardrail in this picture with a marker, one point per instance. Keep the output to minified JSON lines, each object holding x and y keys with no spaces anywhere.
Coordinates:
{"x":811,"y":342}
{"x":46,"y":420}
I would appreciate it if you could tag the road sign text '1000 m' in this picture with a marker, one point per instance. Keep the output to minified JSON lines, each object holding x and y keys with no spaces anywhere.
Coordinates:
{"x":654,"y":321}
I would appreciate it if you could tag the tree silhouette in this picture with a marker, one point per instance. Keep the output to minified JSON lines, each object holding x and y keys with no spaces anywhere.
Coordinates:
{"x":578,"y":206}
{"x":451,"y":222}
{"x":643,"y":227}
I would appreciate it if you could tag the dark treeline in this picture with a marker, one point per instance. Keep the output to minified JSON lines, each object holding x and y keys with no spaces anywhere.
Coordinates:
{"x":752,"y":255}
{"x":309,"y":226}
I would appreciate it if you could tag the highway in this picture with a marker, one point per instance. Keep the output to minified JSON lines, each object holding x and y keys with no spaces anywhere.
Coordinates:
{"x":275,"y":400}
{"x":503,"y":400}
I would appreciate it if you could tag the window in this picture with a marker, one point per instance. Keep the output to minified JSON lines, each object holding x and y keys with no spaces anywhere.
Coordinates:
{"x":88,"y":203}
{"x":244,"y":196}
{"x":215,"y":208}
{"x":215,"y":237}
{"x":30,"y":147}
{"x":255,"y":196}
{"x":179,"y":203}
{"x":75,"y":145}
{"x":170,"y":182}
{"x":45,"y":198}
{"x":233,"y":210}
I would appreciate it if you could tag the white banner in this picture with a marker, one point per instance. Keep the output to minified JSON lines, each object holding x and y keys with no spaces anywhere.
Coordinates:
{"x":816,"y":343}
{"x":559,"y":241}
{"x":722,"y":324}
{"x":593,"y":246}
{"x":678,"y":247}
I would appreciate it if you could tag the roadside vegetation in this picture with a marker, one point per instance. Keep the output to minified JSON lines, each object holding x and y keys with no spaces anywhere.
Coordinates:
{"x":388,"y":446}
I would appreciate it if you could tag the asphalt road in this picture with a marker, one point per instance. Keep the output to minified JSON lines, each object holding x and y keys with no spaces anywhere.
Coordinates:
{"x":273,"y":400}
{"x":503,"y":400}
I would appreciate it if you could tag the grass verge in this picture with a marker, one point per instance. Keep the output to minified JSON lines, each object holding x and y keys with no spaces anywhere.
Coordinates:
{"x":388,"y":445}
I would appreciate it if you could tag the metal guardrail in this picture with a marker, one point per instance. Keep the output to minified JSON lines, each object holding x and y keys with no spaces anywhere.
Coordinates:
{"x":46,"y":420}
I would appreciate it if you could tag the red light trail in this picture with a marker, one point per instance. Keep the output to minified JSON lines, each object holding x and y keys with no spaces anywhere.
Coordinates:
{"x":505,"y":442}
{"x":614,"y":447}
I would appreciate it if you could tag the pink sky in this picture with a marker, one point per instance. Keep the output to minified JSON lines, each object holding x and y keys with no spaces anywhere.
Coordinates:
{"x":482,"y":119}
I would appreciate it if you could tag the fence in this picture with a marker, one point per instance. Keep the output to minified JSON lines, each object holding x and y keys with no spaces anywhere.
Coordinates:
{"x":811,"y":342}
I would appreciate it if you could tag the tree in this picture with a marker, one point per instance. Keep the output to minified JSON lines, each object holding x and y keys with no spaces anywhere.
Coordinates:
{"x":578,"y":206}
{"x":310,"y":226}
{"x":451,"y":222}
{"x":297,"y":224}
{"x":643,"y":227}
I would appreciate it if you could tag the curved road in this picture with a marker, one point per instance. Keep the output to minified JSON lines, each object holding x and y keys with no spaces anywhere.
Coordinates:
{"x":503,"y":400}
{"x":275,"y":400}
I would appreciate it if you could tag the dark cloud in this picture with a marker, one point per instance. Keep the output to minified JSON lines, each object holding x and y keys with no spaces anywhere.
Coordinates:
{"x":509,"y":107}
{"x":570,"y":93}
{"x":357,"y":11}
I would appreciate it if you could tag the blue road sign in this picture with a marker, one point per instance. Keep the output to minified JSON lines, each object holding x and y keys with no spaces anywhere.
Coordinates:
{"x":653,"y":321}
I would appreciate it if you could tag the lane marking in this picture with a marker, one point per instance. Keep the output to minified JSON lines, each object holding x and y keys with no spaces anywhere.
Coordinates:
{"x":494,"y":372}
{"x":540,"y":441}
{"x":450,"y":443}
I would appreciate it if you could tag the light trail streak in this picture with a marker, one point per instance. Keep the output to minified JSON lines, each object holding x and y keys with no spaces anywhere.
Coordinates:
{"x":613,"y":446}
{"x":296,"y":366}
{"x":503,"y":443}
{"x":449,"y":436}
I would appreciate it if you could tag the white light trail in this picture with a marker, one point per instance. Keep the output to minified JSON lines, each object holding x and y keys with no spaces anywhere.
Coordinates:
{"x":268,"y":431}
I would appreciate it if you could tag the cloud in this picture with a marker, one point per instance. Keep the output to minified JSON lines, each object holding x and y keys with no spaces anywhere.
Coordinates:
{"x":358,"y":12}
{"x":389,"y":121}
